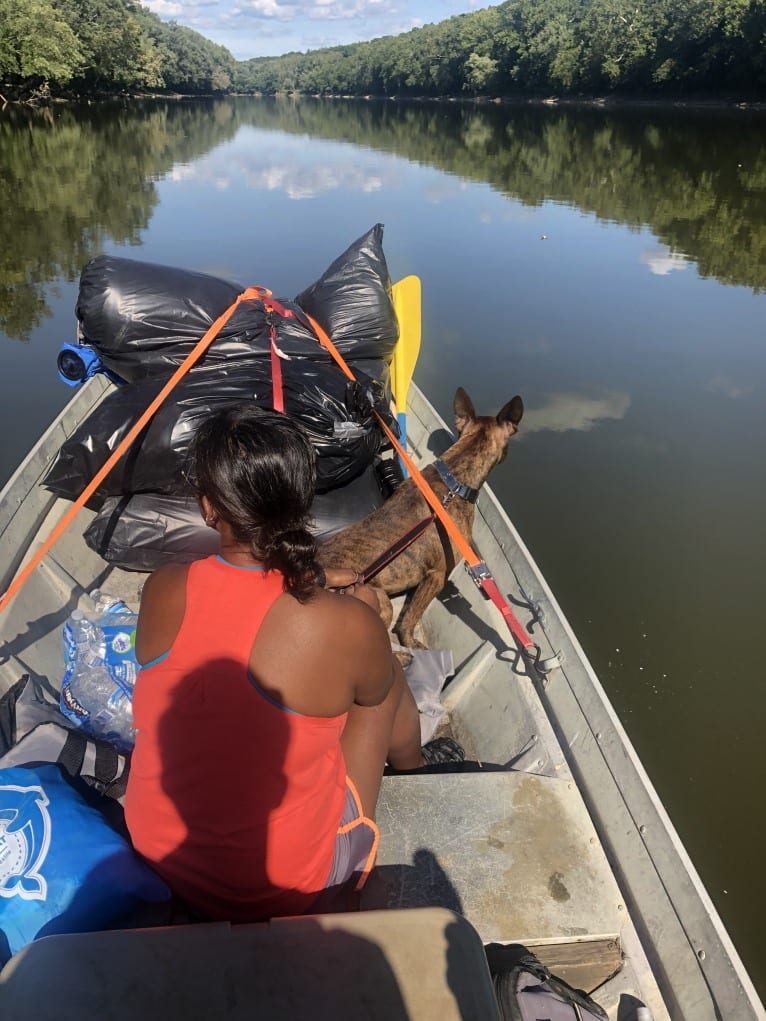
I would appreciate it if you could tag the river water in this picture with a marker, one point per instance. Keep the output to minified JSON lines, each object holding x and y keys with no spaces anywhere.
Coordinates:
{"x":608,"y":266}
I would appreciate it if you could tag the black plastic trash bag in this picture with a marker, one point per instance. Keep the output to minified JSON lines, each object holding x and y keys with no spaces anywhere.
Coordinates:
{"x":352,"y":300}
{"x":336,"y":413}
{"x":144,"y":531}
{"x":143,"y":319}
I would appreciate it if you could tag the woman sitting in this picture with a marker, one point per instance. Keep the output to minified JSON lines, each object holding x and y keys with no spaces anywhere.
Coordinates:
{"x":267,"y":706}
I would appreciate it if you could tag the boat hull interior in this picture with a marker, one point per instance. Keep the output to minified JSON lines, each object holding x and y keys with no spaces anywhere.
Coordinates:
{"x":551,"y":834}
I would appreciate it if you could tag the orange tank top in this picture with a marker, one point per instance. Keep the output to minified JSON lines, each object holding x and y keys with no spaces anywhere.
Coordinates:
{"x":234,"y":799}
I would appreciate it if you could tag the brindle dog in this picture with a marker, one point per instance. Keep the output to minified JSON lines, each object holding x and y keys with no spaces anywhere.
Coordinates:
{"x":427,"y":562}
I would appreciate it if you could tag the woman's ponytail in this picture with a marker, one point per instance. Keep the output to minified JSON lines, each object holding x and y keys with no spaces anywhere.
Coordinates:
{"x":292,"y":551}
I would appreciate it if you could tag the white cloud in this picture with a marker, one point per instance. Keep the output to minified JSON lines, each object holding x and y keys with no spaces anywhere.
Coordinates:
{"x":253,"y":28}
{"x":313,"y":10}
{"x":270,"y":9}
{"x":662,"y":261}
{"x":165,"y":8}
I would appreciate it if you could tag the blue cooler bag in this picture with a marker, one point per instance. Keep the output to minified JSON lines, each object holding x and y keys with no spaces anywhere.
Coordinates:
{"x":62,"y":867}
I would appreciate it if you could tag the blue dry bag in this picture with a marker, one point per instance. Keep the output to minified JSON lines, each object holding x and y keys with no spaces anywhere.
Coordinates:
{"x":62,"y":867}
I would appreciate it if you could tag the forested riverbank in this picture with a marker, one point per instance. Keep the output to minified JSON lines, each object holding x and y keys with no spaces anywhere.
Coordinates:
{"x":574,"y":48}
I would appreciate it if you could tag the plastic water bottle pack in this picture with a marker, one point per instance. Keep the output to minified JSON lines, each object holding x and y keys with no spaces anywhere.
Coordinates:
{"x":100,"y":670}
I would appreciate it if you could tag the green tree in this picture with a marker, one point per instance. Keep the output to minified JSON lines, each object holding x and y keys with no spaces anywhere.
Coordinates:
{"x":621,"y":38}
{"x":479,"y":72}
{"x":116,"y":53}
{"x":36,"y":44}
{"x":195,"y":64}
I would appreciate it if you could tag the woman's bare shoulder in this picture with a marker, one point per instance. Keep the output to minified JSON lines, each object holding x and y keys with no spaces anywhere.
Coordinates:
{"x":350,"y":618}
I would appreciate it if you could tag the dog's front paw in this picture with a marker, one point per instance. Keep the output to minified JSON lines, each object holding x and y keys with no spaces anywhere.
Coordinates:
{"x":403,"y":658}
{"x":411,"y":642}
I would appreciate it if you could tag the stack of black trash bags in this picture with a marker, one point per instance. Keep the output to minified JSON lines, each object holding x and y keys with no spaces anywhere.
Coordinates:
{"x":142,"y":320}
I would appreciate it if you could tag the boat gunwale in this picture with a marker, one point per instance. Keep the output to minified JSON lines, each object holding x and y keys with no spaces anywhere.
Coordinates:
{"x":582,"y":700}
{"x":25,"y":483}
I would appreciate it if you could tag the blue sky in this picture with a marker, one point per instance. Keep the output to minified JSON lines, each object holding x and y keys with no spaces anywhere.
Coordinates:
{"x":258,"y":28}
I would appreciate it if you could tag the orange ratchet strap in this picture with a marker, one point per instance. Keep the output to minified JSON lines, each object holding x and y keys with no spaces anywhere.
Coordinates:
{"x":478,"y":570}
{"x":272,"y":307}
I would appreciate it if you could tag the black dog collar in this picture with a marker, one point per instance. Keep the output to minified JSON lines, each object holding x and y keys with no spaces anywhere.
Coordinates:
{"x":455,"y":488}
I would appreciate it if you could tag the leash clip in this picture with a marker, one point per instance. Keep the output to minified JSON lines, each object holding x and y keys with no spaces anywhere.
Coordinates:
{"x":479,"y":573}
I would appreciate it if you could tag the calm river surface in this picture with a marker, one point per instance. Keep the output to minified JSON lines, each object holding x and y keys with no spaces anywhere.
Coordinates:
{"x":610,"y":267}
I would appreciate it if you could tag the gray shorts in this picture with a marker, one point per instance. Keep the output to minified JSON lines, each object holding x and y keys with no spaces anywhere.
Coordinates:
{"x":356,"y":844}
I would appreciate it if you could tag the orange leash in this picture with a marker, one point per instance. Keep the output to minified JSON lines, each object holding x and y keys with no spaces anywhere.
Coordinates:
{"x":476,"y":566}
{"x":191,"y":359}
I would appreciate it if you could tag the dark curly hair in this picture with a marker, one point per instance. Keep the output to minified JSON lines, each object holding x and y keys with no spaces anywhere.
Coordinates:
{"x":258,"y":470}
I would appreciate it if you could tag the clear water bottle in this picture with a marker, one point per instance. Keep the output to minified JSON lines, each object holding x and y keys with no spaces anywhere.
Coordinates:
{"x":118,"y":627}
{"x":104,"y":602}
{"x":90,"y":695}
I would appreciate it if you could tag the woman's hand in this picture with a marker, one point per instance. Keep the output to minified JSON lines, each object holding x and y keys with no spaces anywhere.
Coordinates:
{"x":346,"y":582}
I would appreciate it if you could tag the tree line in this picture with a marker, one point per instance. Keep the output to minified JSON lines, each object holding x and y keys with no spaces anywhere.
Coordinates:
{"x":518,"y":48}
{"x":533,"y":46}
{"x":96,"y":47}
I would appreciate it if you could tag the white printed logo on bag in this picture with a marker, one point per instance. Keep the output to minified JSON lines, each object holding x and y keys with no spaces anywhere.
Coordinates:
{"x":25,"y":836}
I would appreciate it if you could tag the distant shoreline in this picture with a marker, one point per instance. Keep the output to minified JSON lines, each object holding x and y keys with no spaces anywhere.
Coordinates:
{"x":701,"y":103}
{"x":603,"y":101}
{"x":600,"y":102}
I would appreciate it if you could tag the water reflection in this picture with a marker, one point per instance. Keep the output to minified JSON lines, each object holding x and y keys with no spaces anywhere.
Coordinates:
{"x":662,"y":261}
{"x":74,"y":178}
{"x":77,"y":177}
{"x":729,"y":387}
{"x":697,"y":181}
{"x":562,"y":412}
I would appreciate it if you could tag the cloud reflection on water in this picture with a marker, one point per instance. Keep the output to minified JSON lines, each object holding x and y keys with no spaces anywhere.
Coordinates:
{"x":662,"y":261}
{"x":285,"y":172}
{"x":729,"y":387}
{"x":566,"y":411}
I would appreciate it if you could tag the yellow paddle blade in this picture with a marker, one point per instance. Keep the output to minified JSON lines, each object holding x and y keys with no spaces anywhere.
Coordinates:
{"x":406,"y":294}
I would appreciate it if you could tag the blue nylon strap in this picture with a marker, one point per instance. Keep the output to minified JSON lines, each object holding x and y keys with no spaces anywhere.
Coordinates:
{"x":452,"y":484}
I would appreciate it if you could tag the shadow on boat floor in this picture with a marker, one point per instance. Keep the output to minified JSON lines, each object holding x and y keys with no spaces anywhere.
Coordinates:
{"x":467,"y":766}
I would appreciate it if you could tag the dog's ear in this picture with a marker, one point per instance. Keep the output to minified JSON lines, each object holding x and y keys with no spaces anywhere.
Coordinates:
{"x":464,"y":409}
{"x":511,"y":413}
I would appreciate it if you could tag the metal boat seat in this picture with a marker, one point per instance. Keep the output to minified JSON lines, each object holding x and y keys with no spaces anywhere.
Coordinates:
{"x":390,"y":966}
